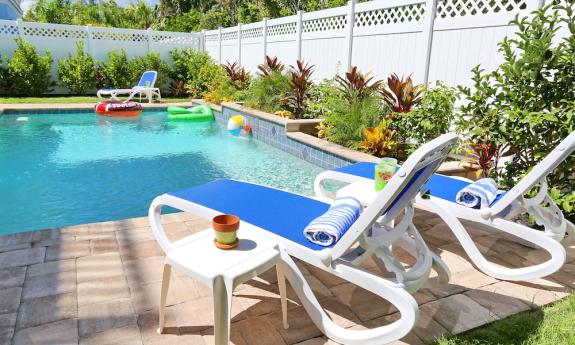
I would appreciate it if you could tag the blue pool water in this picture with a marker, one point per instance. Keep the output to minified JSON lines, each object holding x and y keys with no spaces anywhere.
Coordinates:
{"x":64,"y":169}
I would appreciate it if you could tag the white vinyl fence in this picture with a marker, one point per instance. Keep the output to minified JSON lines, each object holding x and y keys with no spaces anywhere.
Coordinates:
{"x":61,"y":40}
{"x":431,"y":39}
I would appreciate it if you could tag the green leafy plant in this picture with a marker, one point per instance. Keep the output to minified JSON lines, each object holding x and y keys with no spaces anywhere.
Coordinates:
{"x":528,"y":101}
{"x":319,"y":96}
{"x":28,"y":71}
{"x":5,"y":83}
{"x":356,"y":85}
{"x":268,"y":92}
{"x":272,"y":65}
{"x":100,"y":75}
{"x":345,"y":122}
{"x":118,"y":71}
{"x":401,"y":95}
{"x":77,"y":73}
{"x":150,"y":62}
{"x":433,"y":116}
{"x":378,"y":141}
{"x":299,"y":82}
{"x":193,"y":71}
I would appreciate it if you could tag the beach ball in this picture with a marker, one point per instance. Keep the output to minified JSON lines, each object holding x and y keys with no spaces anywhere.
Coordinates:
{"x":235,"y":124}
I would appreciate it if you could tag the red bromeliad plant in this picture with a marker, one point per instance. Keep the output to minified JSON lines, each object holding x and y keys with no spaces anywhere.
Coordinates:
{"x":401,"y":95}
{"x":299,"y":83}
{"x":238,"y":75}
{"x":356,"y":85}
{"x":271,"y":65}
{"x":486,"y":156}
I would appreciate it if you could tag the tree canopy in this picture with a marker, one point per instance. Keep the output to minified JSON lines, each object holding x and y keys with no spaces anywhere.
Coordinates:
{"x":169,"y":15}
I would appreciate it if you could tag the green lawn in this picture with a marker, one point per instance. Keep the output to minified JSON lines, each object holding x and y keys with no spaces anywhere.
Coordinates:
{"x":553,"y":325}
{"x":71,"y":99}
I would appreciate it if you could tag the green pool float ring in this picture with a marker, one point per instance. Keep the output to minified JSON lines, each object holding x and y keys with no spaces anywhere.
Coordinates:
{"x":199,"y":113}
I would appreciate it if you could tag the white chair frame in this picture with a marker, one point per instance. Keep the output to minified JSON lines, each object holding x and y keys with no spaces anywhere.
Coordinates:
{"x":498,"y":217}
{"x":336,"y":260}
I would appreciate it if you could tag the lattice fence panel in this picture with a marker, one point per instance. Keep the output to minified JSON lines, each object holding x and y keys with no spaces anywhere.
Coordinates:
{"x":462,"y":8}
{"x":228,"y":36}
{"x":212,"y":38}
{"x":119,"y":36}
{"x":253,"y":33}
{"x":282,"y":29}
{"x":8,"y":29}
{"x":325,"y":24}
{"x":39,"y":31}
{"x":393,"y":15}
{"x":162,"y":38}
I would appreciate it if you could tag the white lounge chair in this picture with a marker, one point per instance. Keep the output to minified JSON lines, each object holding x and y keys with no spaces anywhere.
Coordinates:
{"x":497,"y":216}
{"x":282,"y":217}
{"x":145,"y":87}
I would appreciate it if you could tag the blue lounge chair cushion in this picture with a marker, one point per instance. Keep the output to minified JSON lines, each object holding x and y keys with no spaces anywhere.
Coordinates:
{"x":283,"y":213}
{"x":439,"y":186}
{"x":149,"y":77}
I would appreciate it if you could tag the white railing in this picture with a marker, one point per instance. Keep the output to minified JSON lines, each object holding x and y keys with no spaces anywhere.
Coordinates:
{"x":61,"y":40}
{"x":431,"y":39}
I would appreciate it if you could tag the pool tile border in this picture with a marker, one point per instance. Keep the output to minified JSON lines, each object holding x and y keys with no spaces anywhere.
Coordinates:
{"x":273,"y":132}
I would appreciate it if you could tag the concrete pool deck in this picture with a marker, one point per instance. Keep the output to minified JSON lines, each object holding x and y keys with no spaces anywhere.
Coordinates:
{"x":99,"y":284}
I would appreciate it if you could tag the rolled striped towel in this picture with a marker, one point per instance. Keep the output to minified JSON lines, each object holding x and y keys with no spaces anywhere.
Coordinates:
{"x":328,"y":228}
{"x":480,"y":193}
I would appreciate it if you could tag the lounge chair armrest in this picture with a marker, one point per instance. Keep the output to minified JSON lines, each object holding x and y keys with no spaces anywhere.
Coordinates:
{"x":321,"y":193}
{"x":155,"y":219}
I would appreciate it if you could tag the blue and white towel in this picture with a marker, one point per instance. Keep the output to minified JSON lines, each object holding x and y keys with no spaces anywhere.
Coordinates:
{"x":328,"y":228}
{"x":480,"y":193}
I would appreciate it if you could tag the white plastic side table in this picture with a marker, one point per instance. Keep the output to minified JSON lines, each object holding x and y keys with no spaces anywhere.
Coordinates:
{"x":222,"y":270}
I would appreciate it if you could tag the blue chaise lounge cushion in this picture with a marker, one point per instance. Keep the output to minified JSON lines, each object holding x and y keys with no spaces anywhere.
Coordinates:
{"x":283,"y":213}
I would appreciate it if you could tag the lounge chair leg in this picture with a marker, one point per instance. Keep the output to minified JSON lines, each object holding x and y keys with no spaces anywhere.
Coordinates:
{"x":282,"y":287}
{"x":163,"y":295}
{"x":222,"y":310}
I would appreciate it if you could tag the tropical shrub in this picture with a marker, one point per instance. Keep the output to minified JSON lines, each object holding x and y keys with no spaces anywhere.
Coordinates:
{"x":193,"y":71}
{"x":237,"y":76}
{"x":357,"y":86}
{"x":77,"y":73}
{"x":100,"y":75}
{"x":528,"y":101}
{"x":355,"y":108}
{"x":434,"y":116}
{"x":28,"y":71}
{"x":300,"y":76}
{"x":271,"y":65}
{"x":5,"y":84}
{"x":268,"y":92}
{"x":401,"y":95}
{"x":378,"y":141}
{"x":118,"y":72}
{"x":319,"y":98}
{"x":150,"y":62}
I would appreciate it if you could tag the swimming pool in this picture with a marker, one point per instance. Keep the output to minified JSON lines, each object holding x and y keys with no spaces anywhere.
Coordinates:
{"x":75,"y":168}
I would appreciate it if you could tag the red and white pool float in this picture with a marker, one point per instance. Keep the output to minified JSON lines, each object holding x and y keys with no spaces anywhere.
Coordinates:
{"x":118,"y":108}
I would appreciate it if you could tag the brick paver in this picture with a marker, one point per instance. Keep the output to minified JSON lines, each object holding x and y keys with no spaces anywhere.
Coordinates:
{"x":99,"y":284}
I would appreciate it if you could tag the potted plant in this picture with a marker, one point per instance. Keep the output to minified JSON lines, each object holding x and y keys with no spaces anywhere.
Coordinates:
{"x":226,"y":227}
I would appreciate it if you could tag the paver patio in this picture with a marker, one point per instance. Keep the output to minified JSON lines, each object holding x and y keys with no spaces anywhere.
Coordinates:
{"x":99,"y":284}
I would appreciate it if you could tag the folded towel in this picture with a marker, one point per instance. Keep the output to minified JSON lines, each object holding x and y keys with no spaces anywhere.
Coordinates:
{"x":328,"y":228}
{"x":480,"y":193}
